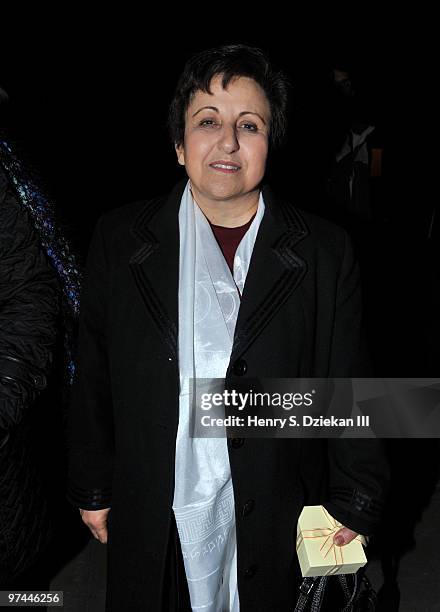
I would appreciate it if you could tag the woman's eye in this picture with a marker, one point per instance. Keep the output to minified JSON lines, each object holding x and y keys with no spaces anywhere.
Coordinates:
{"x":207,"y":122}
{"x":250,"y":127}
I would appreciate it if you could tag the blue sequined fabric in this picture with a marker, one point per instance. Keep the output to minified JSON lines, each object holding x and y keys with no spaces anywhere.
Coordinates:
{"x":41,"y":210}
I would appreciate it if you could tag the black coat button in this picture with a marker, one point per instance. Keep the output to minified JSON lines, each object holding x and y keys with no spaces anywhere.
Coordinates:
{"x":237,"y":442}
{"x":248,"y":507}
{"x":39,"y":381}
{"x":240,"y":367}
{"x":250,"y":571}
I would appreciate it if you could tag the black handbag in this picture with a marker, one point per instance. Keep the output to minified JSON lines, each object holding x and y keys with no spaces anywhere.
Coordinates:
{"x":355,"y":589}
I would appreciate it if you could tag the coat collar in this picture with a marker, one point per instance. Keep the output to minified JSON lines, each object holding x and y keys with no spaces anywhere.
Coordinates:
{"x":275,"y":270}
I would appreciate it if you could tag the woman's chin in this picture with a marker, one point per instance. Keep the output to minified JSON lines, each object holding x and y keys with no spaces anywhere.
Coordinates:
{"x":222,"y":190}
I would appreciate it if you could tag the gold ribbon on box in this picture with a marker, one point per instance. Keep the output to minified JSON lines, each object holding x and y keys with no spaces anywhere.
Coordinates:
{"x":328,"y":547}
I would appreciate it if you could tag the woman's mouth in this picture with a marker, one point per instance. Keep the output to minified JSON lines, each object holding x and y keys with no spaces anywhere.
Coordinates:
{"x":225,"y":167}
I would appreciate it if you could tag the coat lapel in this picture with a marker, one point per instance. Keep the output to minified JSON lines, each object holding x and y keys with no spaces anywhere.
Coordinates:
{"x":154,"y":263}
{"x":275,"y":270}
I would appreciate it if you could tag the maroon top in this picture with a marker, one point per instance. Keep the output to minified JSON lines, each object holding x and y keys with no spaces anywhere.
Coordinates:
{"x":229,"y":238}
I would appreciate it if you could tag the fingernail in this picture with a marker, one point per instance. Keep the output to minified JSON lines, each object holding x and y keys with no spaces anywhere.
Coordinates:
{"x":339,"y":540}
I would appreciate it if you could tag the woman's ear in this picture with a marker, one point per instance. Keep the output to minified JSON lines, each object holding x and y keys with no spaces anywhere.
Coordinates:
{"x":180,"y":154}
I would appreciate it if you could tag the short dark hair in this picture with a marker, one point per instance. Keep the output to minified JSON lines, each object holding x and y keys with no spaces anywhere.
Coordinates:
{"x":233,"y":60}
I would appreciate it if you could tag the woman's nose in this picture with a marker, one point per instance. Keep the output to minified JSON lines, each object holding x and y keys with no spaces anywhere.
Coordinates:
{"x":229,"y":141}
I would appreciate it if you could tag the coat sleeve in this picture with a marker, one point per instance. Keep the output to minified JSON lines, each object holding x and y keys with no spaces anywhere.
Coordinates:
{"x":29,"y":308}
{"x":358,"y":468}
{"x":90,"y":417}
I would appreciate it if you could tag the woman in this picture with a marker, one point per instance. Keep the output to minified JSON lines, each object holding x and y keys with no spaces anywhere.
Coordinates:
{"x":279,"y":298}
{"x":37,"y":271}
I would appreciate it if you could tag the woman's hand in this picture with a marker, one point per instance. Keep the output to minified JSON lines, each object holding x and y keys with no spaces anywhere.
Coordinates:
{"x":344,"y":536}
{"x":96,"y":521}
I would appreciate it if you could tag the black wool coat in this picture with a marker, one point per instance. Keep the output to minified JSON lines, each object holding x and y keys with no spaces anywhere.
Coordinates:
{"x":29,"y":308}
{"x":300,"y":316}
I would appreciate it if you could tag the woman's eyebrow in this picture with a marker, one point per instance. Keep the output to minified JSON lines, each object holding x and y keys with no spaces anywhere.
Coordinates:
{"x":214,"y":108}
{"x":210,"y":107}
{"x":252,"y":113}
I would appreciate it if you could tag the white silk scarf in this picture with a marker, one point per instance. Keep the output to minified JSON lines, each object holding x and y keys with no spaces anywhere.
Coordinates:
{"x":209,"y":299}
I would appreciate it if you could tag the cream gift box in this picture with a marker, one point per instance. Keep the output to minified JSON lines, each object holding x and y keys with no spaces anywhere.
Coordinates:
{"x":317,"y":553}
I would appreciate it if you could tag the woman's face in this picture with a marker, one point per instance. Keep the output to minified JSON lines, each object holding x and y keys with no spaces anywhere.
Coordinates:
{"x":229,"y":127}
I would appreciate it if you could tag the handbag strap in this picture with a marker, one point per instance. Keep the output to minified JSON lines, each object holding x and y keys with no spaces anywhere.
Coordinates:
{"x":305,"y":593}
{"x":318,"y":595}
{"x":346,"y":589}
{"x":312,"y":589}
